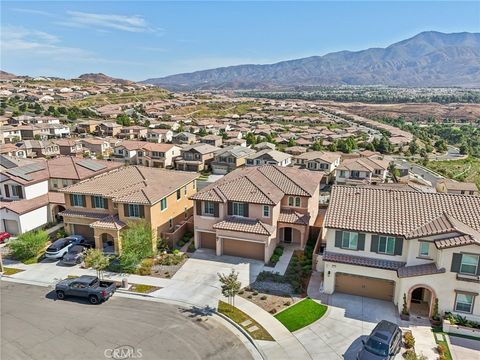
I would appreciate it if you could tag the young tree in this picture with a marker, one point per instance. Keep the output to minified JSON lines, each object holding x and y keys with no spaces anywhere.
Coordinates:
{"x":230,"y":286}
{"x":136,"y":244}
{"x":96,"y":259}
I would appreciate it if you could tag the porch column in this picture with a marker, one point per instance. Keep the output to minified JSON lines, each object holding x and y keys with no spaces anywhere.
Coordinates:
{"x":117,"y":243}
{"x":98,"y":242}
{"x":196,"y":239}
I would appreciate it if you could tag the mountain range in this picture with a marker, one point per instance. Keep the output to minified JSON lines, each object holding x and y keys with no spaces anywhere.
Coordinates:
{"x":428,"y":59}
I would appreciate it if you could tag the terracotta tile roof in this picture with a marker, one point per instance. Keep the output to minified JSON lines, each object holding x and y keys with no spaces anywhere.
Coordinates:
{"x":134,"y":184}
{"x":459,"y":186}
{"x":460,"y":240}
{"x":56,"y":197}
{"x":25,"y":205}
{"x":109,"y":222}
{"x":328,"y":157}
{"x":261,"y":184}
{"x":292,"y":217}
{"x":442,"y":224}
{"x":362,"y":261}
{"x":419,"y":270}
{"x":235,"y":223}
{"x":82,"y":214}
{"x":388,"y":211}
{"x":69,"y":167}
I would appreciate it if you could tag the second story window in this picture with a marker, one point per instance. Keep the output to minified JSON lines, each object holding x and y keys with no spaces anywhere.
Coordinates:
{"x":179,"y":194}
{"x":294,"y":201}
{"x":424,"y":249}
{"x":163,"y":204}
{"x":469,"y":264}
{"x":238,"y":209}
{"x":133,"y":210}
{"x":355,"y":174}
{"x":386,"y":245}
{"x":266,"y":211}
{"x":78,"y":200}
{"x":342,"y":173}
{"x":350,"y":240}
{"x":99,"y":202}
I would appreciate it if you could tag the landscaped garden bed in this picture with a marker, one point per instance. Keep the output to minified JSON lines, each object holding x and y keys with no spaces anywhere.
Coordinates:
{"x":269,"y":302}
{"x":247,"y":323}
{"x":11,"y":271}
{"x":301,"y":314}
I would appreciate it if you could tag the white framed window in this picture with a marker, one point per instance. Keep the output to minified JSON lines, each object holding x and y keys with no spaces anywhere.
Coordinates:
{"x":464,"y":302}
{"x":350,"y":240}
{"x":208,"y":208}
{"x":424,"y":249}
{"x":266,"y":211}
{"x":469,"y":264}
{"x":342,"y":173}
{"x":163,"y":204}
{"x":133,"y":210}
{"x":238,"y":209}
{"x":386,"y":245}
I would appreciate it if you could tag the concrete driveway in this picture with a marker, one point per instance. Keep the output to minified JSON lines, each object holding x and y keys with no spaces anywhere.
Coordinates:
{"x":463,"y":348}
{"x":197,"y":281}
{"x":348,"y":320}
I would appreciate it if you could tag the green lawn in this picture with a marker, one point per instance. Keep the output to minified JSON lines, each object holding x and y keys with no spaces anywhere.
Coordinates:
{"x":144,"y":289}
{"x":301,"y":314}
{"x":11,"y":271}
{"x":442,"y":341}
{"x":239,"y":317}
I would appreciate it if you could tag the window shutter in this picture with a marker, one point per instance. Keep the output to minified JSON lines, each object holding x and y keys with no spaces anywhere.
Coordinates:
{"x":20,"y":192}
{"x":216,"y":211}
{"x":374,"y":244}
{"x":478,"y":267}
{"x":398,"y":246}
{"x":456,"y":262}
{"x":125,"y":210}
{"x":142,"y":210}
{"x":92,"y":199}
{"x":230,"y":208}
{"x":245,"y":209}
{"x":361,"y":242}
{"x":7,"y":190}
{"x":105,"y":203}
{"x":71,"y":199}
{"x":338,"y":238}
{"x":198,"y":206}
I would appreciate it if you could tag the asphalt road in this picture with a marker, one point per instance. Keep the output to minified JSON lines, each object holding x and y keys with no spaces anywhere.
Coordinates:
{"x":36,"y":326}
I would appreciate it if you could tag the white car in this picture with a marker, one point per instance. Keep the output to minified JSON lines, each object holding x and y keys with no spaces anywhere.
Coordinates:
{"x":58,"y":249}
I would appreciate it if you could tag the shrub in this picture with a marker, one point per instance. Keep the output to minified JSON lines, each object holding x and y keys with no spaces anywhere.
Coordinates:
{"x":435,"y":314}
{"x":273,"y":311}
{"x":191,"y":247}
{"x":255,"y":293}
{"x":286,"y":303}
{"x":241,"y":292}
{"x":442,"y":349}
{"x":409,"y":340}
{"x":263,"y":297}
{"x":60,"y":234}
{"x":181,"y":243}
{"x":250,"y":296}
{"x":136,"y":245}
{"x":29,"y":245}
{"x":278,"y":251}
{"x":410,"y":355}
{"x":175,"y":252}
{"x":145,"y":267}
{"x":274,"y":259}
{"x":96,"y":259}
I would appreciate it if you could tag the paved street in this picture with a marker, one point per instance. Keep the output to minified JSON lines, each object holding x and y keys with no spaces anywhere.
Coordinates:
{"x":36,"y":326}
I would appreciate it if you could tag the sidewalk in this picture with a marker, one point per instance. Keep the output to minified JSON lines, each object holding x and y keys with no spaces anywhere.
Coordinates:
{"x":424,"y":339}
{"x":286,"y":345}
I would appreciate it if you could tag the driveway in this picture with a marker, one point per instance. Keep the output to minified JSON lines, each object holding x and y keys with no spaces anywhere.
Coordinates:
{"x":35,"y":326}
{"x":463,"y":348}
{"x":197,"y":280}
{"x":348,"y":320}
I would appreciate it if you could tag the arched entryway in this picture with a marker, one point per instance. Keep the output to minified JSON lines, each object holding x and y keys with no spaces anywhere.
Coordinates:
{"x":108,"y":243}
{"x":421,"y":300}
{"x":57,"y":209}
{"x":290,"y":235}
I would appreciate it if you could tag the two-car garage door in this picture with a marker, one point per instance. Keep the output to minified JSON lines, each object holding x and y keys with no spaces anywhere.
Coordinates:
{"x":247,"y":249}
{"x":364,"y":286}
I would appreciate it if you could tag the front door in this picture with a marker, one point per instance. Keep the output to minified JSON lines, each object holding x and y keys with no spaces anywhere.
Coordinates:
{"x":287,"y":235}
{"x":417,"y":295}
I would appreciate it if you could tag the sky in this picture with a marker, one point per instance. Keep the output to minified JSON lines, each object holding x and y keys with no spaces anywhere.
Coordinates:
{"x":137,"y":40}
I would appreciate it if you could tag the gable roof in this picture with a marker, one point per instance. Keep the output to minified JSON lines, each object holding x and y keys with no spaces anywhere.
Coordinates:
{"x":402,"y":213}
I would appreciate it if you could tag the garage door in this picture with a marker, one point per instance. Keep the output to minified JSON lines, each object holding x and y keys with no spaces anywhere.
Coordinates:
{"x":247,"y":249}
{"x":84,"y":230}
{"x":364,"y":286}
{"x":11,"y":226}
{"x":208,"y":240}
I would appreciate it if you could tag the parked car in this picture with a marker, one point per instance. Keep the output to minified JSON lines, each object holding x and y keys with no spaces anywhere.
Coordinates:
{"x":86,"y":286}
{"x":4,"y":236}
{"x":74,"y":255}
{"x":59,"y":248}
{"x":80,"y":240}
{"x":383,"y":343}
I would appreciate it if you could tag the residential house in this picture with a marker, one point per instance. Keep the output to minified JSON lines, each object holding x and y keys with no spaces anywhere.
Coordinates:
{"x":250,"y":211}
{"x":86,"y":127}
{"x":158,"y":155}
{"x":97,"y":146}
{"x":214,"y":140}
{"x":109,"y":129}
{"x":235,"y":142}
{"x":132,"y":132}
{"x":229,"y":159}
{"x":127,"y":150}
{"x":269,"y":157}
{"x":361,"y":170}
{"x":318,"y":160}
{"x":455,"y":187}
{"x":184,"y":138}
{"x":159,"y":135}
{"x":386,"y":244}
{"x":38,"y":148}
{"x":10,"y":134}
{"x":101,"y":207}
{"x":264,"y":146}
{"x":69,"y":146}
{"x":13,"y":150}
{"x":196,"y":157}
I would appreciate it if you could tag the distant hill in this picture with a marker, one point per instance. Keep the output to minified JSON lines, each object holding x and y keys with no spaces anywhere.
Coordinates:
{"x":427,"y":59}
{"x":7,"y":76}
{"x":100,"y":78}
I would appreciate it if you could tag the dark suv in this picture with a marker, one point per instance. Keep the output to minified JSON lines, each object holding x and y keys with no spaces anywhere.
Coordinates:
{"x":383,"y":343}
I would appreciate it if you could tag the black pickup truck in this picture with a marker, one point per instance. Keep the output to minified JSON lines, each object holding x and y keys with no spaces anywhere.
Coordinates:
{"x":87,"y":286}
